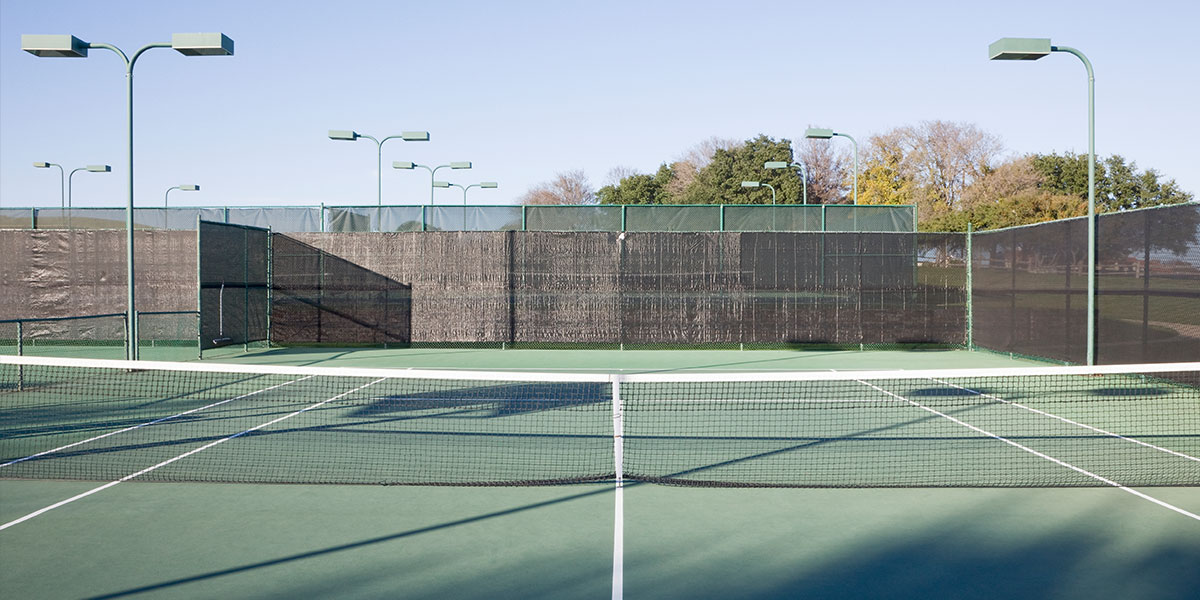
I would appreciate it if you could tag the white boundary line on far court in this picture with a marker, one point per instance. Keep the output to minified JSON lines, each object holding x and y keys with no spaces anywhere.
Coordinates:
{"x":1042,"y":455}
{"x":148,"y":423}
{"x":1072,"y":422}
{"x":182,"y":456}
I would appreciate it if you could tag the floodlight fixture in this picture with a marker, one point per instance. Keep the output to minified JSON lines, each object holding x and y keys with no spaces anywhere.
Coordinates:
{"x":754,"y":184}
{"x":62,"y":181}
{"x":59,"y":46}
{"x":408,"y":165}
{"x":779,"y":164}
{"x":817,"y":133}
{"x":1033,"y":49}
{"x":191,"y":187}
{"x":1019,"y":48}
{"x":189,"y":44}
{"x":350,"y":135}
{"x":202,"y":44}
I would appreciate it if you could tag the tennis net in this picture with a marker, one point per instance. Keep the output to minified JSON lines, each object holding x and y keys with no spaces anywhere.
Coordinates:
{"x":1044,"y":426}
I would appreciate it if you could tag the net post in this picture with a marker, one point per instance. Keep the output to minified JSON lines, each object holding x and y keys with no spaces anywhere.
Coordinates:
{"x":245,"y":290}
{"x":970,"y":289}
{"x":271,"y":274}
{"x":618,"y":572}
{"x":199,"y":295}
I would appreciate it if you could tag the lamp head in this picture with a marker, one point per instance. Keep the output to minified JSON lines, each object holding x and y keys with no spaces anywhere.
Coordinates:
{"x":1019,"y":48}
{"x":343,"y":134}
{"x":441,"y":184}
{"x":396,"y":164}
{"x":775,"y":164}
{"x":461,"y":165}
{"x":190,"y":188}
{"x":63,"y":46}
{"x":489,"y":184}
{"x":751,"y":184}
{"x":814,"y":133}
{"x":202,"y":44}
{"x":414,"y":136}
{"x":99,"y":168}
{"x":42,"y":165}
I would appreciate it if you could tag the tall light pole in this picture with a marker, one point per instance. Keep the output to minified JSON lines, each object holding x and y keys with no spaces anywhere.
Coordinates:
{"x":779,"y":164}
{"x":62,"y":181}
{"x":189,"y":187}
{"x":814,"y":133}
{"x":350,"y":136}
{"x":465,"y":164}
{"x":1033,"y":49}
{"x":90,"y":169}
{"x":69,"y":46}
{"x":482,"y":185}
{"x":754,"y":184}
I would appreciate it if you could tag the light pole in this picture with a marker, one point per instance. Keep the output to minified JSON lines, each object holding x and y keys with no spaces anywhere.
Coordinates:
{"x":814,"y":133}
{"x":62,"y":181}
{"x":465,"y":164}
{"x":190,"y":187}
{"x":90,"y":169}
{"x":69,"y":46}
{"x":1033,"y":49}
{"x":754,"y":184}
{"x":779,"y":164}
{"x":464,"y":188}
{"x":350,"y":136}
{"x":482,"y":185}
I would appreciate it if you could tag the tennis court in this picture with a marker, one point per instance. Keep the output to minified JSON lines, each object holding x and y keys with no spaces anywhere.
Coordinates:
{"x":1123,"y":443}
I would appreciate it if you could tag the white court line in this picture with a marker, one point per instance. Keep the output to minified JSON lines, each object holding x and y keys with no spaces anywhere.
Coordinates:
{"x":1073,"y":422}
{"x":1056,"y":461}
{"x":182,"y":456}
{"x":154,"y":422}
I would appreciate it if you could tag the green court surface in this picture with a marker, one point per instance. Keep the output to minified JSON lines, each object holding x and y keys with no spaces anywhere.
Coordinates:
{"x":147,"y":540}
{"x":623,"y":361}
{"x":140,"y":539}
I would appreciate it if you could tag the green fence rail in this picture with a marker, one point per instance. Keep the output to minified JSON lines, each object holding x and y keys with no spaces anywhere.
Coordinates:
{"x":639,"y":218}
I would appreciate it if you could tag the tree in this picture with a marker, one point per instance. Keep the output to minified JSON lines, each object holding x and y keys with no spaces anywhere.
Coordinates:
{"x":1119,"y":185}
{"x":720,"y":182}
{"x":687,"y":166}
{"x":637,"y":188}
{"x":885,"y":177}
{"x":569,"y":187}
{"x":828,"y":172}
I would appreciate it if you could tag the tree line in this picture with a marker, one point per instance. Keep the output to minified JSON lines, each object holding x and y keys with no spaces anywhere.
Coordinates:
{"x":954,"y":173}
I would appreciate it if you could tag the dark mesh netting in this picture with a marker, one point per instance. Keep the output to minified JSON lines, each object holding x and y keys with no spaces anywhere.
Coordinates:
{"x":1030,"y":287}
{"x":1030,"y":290}
{"x":1148,"y":285}
{"x":664,"y":289}
{"x":233,"y":284}
{"x":318,"y":297}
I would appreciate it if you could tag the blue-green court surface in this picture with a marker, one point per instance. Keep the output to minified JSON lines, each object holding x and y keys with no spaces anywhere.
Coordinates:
{"x":193,"y":540}
{"x":157,"y":540}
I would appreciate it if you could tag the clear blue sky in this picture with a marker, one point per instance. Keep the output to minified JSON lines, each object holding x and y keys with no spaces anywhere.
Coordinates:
{"x":528,"y":89}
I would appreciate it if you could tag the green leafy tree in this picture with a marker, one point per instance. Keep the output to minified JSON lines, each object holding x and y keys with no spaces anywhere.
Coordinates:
{"x":639,"y":188}
{"x":720,"y":182}
{"x":1119,"y":184}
